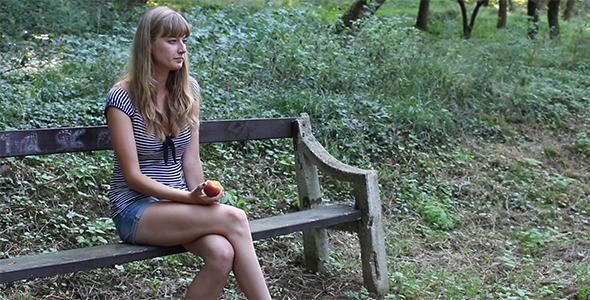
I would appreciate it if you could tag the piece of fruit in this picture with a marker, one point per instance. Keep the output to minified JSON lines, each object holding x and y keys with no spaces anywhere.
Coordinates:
{"x":212,"y":188}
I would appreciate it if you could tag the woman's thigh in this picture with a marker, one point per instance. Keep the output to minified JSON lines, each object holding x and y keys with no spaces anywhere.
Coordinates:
{"x":167,"y":223}
{"x":126,"y":221}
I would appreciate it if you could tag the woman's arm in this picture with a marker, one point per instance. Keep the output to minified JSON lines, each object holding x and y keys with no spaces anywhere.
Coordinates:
{"x":191,"y":163}
{"x":123,"y":141}
{"x":193,"y":168}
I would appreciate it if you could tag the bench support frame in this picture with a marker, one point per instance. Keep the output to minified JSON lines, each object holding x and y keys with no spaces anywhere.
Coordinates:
{"x":312,"y":157}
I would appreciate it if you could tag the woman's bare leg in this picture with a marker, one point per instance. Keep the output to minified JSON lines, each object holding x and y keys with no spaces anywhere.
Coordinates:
{"x":218,"y":254}
{"x":169,"y":223}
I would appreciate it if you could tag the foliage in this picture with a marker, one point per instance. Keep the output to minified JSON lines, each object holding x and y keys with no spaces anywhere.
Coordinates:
{"x":72,"y":17}
{"x":34,"y":194}
{"x":583,"y":293}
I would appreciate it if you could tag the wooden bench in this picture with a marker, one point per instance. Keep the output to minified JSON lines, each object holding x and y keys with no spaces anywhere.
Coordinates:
{"x":364,"y":217}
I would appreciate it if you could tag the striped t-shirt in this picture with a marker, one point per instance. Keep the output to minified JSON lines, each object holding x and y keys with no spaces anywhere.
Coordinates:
{"x":150,"y":152}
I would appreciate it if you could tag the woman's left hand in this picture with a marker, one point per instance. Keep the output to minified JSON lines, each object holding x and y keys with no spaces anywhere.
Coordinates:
{"x":198,"y":195}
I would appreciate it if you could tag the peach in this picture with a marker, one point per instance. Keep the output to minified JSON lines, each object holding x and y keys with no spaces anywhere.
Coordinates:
{"x":212,"y":188}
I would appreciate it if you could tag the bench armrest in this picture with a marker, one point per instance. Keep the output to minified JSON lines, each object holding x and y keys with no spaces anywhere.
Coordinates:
{"x":311,"y":156}
{"x":320,"y":157}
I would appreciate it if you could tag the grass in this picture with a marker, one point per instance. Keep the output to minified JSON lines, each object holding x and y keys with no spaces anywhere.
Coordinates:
{"x":481,"y":145}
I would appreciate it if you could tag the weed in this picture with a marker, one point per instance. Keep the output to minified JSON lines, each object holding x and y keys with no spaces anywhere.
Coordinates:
{"x":583,"y":293}
{"x":363,"y":294}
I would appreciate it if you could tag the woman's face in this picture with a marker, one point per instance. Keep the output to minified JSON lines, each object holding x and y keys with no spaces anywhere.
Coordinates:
{"x":168,"y":53}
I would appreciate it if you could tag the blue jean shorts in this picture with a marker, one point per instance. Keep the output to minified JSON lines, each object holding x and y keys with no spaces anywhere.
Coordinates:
{"x":126,"y":221}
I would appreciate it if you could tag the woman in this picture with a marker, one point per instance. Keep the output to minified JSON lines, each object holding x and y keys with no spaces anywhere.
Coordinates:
{"x":157,"y":183}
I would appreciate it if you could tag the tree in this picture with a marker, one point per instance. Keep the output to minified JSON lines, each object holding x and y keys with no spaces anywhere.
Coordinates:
{"x":533,"y":17}
{"x":422,"y":20}
{"x":569,"y":9}
{"x":359,"y":10}
{"x":502,"y":11}
{"x":467,"y":28}
{"x":553,"y":18}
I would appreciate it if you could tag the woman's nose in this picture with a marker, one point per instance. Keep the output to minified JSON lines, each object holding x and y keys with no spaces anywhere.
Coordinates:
{"x":182,"y":48}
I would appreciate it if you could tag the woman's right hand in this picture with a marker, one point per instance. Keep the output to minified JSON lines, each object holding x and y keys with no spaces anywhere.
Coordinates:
{"x":198,"y":195}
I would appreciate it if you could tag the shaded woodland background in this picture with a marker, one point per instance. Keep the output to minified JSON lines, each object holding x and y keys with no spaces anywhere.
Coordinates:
{"x":481,"y":140}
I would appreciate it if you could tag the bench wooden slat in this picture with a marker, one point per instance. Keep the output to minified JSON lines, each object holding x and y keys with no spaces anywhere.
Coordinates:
{"x":64,"y":140}
{"x":320,"y":217}
{"x":67,"y":261}
{"x":248,"y":129}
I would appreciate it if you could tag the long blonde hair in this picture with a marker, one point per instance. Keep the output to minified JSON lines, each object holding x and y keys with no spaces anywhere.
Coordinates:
{"x":183,"y":93}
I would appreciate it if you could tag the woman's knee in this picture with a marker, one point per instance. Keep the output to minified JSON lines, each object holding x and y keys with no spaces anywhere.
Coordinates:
{"x":224,"y":254}
{"x":220,"y":257}
{"x":216,"y":251}
{"x":237,"y":218}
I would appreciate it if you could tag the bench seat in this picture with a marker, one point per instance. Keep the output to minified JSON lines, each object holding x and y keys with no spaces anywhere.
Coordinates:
{"x":53,"y":263}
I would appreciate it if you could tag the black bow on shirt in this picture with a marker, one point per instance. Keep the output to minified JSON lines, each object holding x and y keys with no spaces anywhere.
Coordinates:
{"x":168,"y":143}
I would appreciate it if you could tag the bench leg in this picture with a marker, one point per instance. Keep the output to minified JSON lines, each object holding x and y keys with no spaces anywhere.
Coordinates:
{"x":315,"y":241}
{"x":316,"y":250}
{"x":371,"y":235}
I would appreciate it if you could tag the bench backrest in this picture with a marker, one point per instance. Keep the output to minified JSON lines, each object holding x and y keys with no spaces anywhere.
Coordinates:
{"x":65,"y":140}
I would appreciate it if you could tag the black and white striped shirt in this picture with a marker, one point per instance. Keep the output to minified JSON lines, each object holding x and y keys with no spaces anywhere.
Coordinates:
{"x":150,"y":152}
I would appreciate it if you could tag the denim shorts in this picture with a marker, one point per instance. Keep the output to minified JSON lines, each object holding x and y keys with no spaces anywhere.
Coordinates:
{"x":126,"y":221}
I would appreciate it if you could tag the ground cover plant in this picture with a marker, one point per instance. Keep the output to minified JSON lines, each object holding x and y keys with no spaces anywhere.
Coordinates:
{"x":482,"y":145}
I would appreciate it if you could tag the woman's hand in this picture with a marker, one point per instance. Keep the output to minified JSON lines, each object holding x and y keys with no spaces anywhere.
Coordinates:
{"x":198,"y":195}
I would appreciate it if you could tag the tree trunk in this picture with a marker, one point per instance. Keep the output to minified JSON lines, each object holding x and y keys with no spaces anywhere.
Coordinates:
{"x":474,"y":14}
{"x":468,"y":26}
{"x":422,"y":20}
{"x":502,"y":11}
{"x":534,"y":18}
{"x":359,"y":10}
{"x":553,"y":18}
{"x":466,"y":29}
{"x":569,"y":9}
{"x":511,"y":5}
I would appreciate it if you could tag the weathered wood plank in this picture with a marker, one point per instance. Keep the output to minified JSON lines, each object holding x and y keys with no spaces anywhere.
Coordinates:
{"x":319,"y":217}
{"x":248,"y":129}
{"x":64,"y":140}
{"x":48,"y":264}
{"x":68,"y":261}
{"x":57,"y":140}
